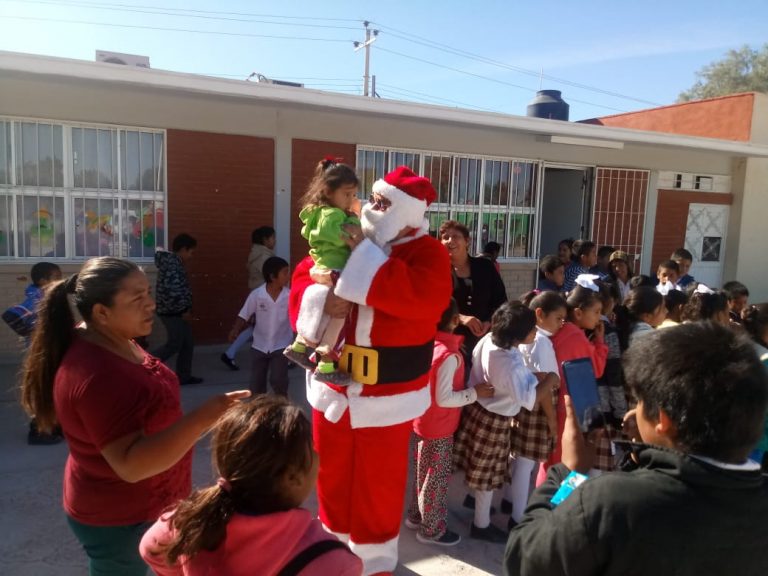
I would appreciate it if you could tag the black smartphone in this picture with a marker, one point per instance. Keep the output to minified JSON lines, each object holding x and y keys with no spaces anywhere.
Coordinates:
{"x":581,"y":384}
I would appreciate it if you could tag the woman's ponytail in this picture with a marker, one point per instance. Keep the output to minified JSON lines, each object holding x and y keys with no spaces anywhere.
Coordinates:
{"x":51,"y":339}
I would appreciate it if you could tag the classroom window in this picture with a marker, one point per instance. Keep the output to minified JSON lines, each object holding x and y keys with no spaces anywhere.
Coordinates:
{"x":75,"y":191}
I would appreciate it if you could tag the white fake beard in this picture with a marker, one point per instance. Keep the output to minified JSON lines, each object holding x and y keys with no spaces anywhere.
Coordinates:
{"x":381,"y":227}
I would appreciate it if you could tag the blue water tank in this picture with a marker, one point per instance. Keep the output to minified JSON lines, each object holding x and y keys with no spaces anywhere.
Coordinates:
{"x":548,"y":104}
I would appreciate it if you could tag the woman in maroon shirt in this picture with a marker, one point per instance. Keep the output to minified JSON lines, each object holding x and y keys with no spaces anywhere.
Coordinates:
{"x":119,"y":408}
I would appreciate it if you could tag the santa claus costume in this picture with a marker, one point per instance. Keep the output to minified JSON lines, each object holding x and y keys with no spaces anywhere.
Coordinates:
{"x":400,"y":287}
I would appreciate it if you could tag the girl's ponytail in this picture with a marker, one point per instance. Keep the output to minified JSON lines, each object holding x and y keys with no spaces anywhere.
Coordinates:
{"x":51,"y":339}
{"x":624,"y":321}
{"x":200,"y":522}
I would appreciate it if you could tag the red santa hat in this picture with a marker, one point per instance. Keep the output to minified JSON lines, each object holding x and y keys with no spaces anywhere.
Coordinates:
{"x":409,"y":193}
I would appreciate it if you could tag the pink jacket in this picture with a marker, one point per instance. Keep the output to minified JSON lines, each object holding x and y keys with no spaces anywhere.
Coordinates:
{"x":255,"y":545}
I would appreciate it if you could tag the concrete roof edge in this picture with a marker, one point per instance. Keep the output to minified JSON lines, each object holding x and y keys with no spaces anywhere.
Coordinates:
{"x":192,"y":83}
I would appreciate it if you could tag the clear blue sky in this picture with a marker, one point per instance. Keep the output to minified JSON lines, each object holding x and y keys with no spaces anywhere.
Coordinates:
{"x":648,"y":50}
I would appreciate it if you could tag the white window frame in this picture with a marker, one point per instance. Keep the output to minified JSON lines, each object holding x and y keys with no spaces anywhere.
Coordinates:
{"x":70,"y":193}
{"x":452,"y":208}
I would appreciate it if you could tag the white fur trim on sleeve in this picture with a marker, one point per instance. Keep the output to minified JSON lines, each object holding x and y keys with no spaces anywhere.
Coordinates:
{"x":311,"y":322}
{"x":358,"y":273}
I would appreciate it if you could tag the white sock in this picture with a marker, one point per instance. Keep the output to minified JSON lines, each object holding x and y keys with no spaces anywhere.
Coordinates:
{"x":520,"y":486}
{"x":483,"y":500}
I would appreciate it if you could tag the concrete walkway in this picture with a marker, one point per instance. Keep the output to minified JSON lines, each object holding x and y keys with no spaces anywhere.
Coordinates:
{"x":37,"y":541}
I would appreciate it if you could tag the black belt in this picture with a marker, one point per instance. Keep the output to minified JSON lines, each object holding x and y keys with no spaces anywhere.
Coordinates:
{"x":386,"y":364}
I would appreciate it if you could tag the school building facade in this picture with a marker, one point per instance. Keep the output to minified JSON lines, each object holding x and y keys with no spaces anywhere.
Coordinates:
{"x":102,"y":159}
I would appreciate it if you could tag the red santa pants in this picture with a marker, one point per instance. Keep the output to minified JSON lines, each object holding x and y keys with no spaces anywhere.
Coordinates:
{"x":362,"y":478}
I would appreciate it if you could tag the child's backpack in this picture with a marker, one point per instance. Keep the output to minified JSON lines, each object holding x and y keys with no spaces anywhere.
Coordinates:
{"x":20,"y":319}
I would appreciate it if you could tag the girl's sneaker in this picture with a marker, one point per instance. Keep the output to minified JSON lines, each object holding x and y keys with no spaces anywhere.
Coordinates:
{"x":447,"y":539}
{"x":300,"y":358}
{"x":412,"y":525}
{"x":336,"y":377}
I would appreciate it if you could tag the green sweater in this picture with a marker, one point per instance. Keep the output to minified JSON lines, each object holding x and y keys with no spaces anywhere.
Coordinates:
{"x":323,"y":229}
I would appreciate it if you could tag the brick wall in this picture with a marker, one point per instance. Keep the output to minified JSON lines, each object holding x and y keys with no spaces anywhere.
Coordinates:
{"x":220,"y":187}
{"x":672,"y":219}
{"x":305,"y":154}
{"x":518,"y":279}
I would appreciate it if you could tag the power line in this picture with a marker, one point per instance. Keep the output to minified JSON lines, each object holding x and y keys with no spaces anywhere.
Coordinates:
{"x":97,"y":4}
{"x":165,"y":29}
{"x":484,"y":59}
{"x":412,"y":93}
{"x":178,"y":14}
{"x":488,"y":78}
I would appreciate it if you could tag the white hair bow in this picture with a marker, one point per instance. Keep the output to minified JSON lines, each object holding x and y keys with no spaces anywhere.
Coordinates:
{"x":588,"y":281}
{"x":703,"y":289}
{"x":666,"y":288}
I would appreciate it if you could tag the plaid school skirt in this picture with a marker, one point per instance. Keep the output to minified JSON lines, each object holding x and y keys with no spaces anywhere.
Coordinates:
{"x":529,"y":434}
{"x":481,"y":448}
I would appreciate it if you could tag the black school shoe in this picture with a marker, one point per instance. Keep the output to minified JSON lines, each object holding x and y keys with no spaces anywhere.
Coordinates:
{"x":192,"y":380}
{"x":490,"y":534}
{"x":469,"y":502}
{"x":506,"y":506}
{"x":37,"y":438}
{"x":231,"y":364}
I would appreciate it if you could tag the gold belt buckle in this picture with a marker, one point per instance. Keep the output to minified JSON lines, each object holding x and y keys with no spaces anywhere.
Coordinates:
{"x":360,"y":363}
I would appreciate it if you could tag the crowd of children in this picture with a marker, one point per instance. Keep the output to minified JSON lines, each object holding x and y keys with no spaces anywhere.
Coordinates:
{"x":504,"y":427}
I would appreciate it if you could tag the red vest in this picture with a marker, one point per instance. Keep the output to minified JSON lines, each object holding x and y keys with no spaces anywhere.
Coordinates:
{"x":439,"y":422}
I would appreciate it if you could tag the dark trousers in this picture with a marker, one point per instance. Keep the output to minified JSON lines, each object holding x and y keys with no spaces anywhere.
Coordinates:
{"x":179,"y":342}
{"x":273,"y":364}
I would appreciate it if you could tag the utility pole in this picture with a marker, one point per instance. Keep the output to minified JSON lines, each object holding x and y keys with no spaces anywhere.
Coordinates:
{"x":370,"y":38}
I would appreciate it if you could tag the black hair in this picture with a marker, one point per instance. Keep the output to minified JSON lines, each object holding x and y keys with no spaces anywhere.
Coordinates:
{"x":548,"y":265}
{"x":581,"y":298}
{"x":260,"y":235}
{"x":639,"y":301}
{"x":272,"y":267}
{"x":43,"y":271}
{"x":755,"y":321}
{"x":708,"y":381}
{"x":330,"y":175}
{"x":448,"y":315}
{"x":702,"y":306}
{"x":608,"y":291}
{"x":511,"y":324}
{"x":669,"y":265}
{"x":548,"y":301}
{"x":735,"y":289}
{"x":681,"y":254}
{"x":581,"y":248}
{"x":642,"y":280}
{"x":674,"y":299}
{"x":567,"y":241}
{"x":491,"y":247}
{"x":183,"y":241}
{"x":605,"y":251}
{"x":99,"y":280}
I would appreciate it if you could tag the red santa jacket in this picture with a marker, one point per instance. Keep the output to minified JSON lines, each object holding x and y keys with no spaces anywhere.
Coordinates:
{"x":400,"y":295}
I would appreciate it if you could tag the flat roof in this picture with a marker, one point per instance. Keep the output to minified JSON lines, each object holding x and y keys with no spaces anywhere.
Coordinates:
{"x":20,"y":64}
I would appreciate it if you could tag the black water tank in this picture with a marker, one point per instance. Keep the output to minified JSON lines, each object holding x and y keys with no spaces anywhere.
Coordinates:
{"x":548,"y":104}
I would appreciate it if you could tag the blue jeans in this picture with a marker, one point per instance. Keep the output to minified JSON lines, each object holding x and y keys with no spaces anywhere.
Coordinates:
{"x":111,"y":550}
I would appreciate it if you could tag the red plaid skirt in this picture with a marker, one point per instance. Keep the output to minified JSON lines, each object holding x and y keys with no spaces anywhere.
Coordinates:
{"x":529,"y":435}
{"x":481,"y":448}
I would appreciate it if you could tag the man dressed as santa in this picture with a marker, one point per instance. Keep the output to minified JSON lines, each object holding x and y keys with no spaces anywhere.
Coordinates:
{"x":399,"y":283}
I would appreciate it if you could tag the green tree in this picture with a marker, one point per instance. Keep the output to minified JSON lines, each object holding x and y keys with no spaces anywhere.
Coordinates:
{"x":743,"y":70}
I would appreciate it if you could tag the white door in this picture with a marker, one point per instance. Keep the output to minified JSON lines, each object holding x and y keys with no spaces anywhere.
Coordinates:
{"x":705,"y":239}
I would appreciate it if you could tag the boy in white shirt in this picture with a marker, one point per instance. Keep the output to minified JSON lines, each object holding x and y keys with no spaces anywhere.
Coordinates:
{"x":268,"y":304}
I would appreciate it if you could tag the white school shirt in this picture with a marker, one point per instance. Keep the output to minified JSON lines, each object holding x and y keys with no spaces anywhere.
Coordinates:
{"x":272,"y":330}
{"x":540,"y":356}
{"x":514,"y":384}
